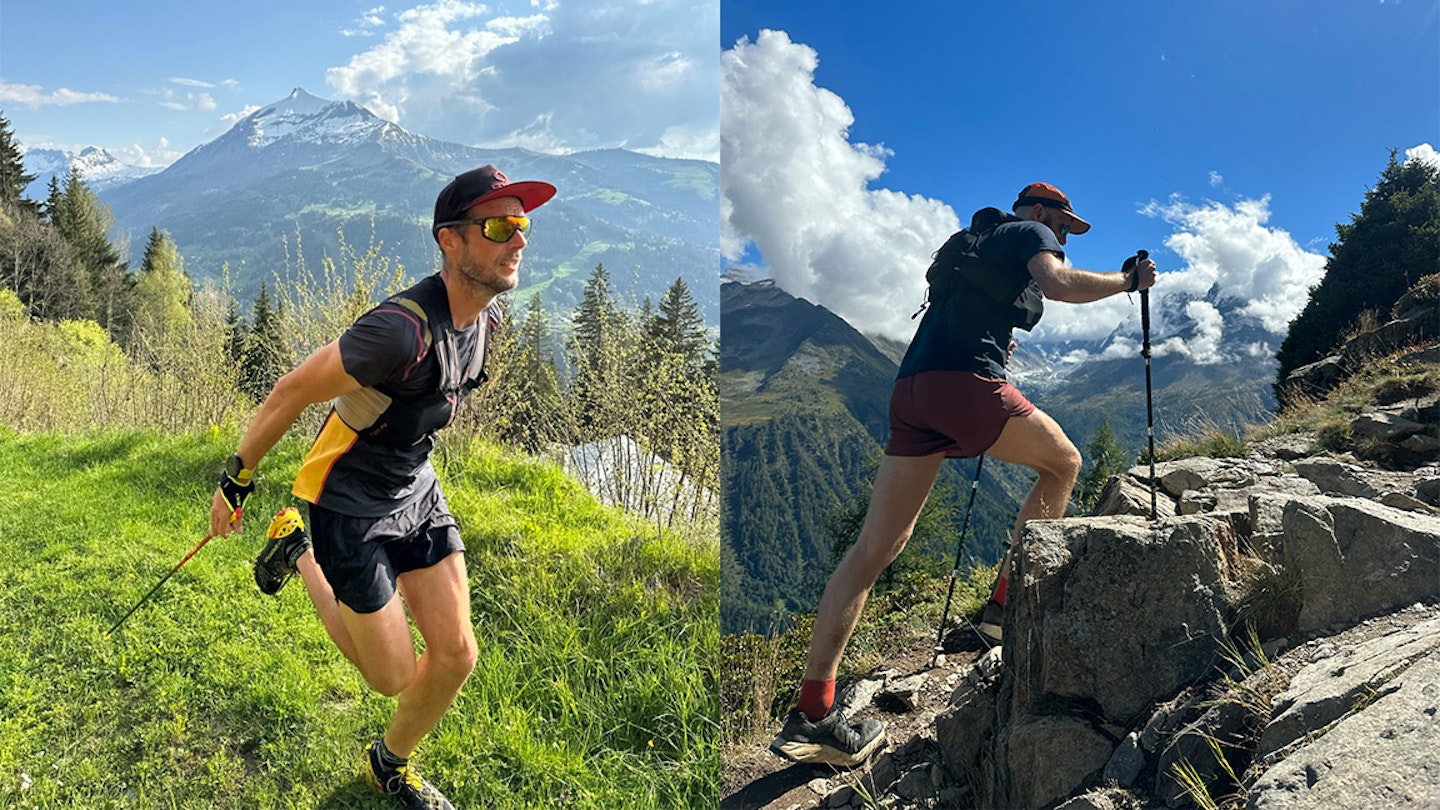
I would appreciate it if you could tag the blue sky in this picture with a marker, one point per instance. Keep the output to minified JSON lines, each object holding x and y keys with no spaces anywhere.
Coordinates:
{"x":151,"y":80}
{"x":1227,"y":137}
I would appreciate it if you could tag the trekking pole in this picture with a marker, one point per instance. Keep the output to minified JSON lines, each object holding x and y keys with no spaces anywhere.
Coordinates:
{"x":152,"y":591}
{"x":955,"y":572}
{"x":1149,"y":397}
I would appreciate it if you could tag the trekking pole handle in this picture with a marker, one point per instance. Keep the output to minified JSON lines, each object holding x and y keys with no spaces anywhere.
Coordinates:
{"x":1141,"y":256}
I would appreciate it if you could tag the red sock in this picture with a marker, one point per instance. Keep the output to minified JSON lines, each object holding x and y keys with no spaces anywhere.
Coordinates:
{"x":816,"y":698}
{"x":1001,"y":585}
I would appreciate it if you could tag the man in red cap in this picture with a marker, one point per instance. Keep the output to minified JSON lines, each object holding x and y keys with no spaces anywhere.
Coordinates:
{"x":379,"y":523}
{"x":952,"y":400}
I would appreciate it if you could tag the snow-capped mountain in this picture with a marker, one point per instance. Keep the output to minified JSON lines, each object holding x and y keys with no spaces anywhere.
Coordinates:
{"x":98,"y":168}
{"x":296,"y":172}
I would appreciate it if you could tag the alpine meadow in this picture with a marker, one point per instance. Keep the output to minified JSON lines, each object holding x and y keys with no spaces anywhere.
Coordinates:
{"x":584,"y":478}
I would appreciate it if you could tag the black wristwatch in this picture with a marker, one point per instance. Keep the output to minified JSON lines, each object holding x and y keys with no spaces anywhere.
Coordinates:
{"x":235,"y":470}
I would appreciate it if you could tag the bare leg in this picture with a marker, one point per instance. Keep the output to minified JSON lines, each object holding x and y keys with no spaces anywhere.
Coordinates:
{"x":1036,"y":441}
{"x":901,"y":487}
{"x":439,"y":601}
{"x":323,"y":598}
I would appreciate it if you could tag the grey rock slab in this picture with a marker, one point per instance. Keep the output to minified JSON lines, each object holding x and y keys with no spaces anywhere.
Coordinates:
{"x":1358,"y":558}
{"x":1116,"y":610}
{"x":1383,"y":426}
{"x":1335,"y":477}
{"x":907,"y":690}
{"x":1383,"y":756}
{"x":1051,"y":757}
{"x":1322,"y":693}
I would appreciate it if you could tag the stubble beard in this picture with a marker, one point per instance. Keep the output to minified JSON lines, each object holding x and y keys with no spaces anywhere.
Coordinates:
{"x":498,"y":279}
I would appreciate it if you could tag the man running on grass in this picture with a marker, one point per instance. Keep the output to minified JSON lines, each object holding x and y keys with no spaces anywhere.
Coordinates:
{"x":952,"y":400}
{"x":378,"y":520}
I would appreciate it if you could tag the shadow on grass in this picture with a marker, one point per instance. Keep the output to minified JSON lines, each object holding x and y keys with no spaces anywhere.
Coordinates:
{"x":355,"y":795}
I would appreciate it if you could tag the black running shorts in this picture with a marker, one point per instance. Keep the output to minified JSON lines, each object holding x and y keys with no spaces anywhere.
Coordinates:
{"x":362,"y":556}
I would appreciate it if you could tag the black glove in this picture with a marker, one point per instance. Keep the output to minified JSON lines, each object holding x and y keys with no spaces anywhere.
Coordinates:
{"x":236,"y":484}
{"x":1129,"y":268}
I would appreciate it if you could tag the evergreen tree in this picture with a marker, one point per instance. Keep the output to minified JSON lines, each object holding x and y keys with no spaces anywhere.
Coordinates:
{"x":530,"y":390}
{"x":1107,"y":458}
{"x":678,"y":327}
{"x":13,"y":177}
{"x":85,"y":224}
{"x":51,"y":205}
{"x":162,"y":298}
{"x":1378,"y":255}
{"x":263,"y":359}
{"x":601,"y":362}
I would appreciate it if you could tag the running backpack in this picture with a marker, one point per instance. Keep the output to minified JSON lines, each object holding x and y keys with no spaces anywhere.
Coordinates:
{"x":957,"y":269}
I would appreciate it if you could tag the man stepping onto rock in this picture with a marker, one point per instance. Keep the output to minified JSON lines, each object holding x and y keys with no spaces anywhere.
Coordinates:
{"x":951,"y":400}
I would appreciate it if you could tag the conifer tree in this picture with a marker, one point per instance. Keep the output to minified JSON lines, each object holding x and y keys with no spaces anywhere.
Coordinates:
{"x":85,"y":224}
{"x":678,"y":327}
{"x":601,"y":362}
{"x":162,"y":297}
{"x":1107,"y":458}
{"x":530,"y":391}
{"x":13,"y":177}
{"x":262,"y":360}
{"x":1378,"y":255}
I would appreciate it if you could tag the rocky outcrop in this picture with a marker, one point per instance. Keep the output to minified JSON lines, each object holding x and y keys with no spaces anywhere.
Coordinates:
{"x":1414,"y":323}
{"x":1124,"y":664}
{"x":1096,"y":618}
{"x":1358,"y":729}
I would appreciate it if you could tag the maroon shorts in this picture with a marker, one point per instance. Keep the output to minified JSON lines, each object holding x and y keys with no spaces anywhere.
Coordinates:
{"x":956,"y":413}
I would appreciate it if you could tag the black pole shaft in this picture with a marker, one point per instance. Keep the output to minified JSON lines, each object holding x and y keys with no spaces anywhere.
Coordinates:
{"x":1149,"y":396}
{"x":152,"y":591}
{"x":959,"y":552}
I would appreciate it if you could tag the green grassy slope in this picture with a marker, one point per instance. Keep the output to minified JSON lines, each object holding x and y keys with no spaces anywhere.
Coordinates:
{"x":595,"y":685}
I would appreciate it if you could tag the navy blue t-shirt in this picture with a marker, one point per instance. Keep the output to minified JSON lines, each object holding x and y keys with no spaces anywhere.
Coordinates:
{"x":970,"y":332}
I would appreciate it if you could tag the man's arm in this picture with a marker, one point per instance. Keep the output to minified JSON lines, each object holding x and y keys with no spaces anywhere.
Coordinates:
{"x":322,"y":377}
{"x":1076,"y":286}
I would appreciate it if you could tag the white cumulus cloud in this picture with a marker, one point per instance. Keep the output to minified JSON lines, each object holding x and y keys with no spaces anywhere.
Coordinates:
{"x":161,"y":154}
{"x":1425,"y":153}
{"x":1231,"y":252}
{"x":229,"y":120}
{"x":33,"y":95}
{"x":557,"y":77}
{"x":857,"y":251}
{"x":171,"y":100}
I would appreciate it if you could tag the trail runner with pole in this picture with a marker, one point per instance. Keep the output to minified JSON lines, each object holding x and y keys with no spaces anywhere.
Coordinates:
{"x":379,"y":524}
{"x":952,"y":400}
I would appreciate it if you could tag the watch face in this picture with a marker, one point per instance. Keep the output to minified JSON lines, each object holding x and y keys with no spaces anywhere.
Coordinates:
{"x":233,"y":466}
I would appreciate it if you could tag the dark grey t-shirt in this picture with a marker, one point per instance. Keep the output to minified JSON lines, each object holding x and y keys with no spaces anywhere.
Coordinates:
{"x":969,"y":332}
{"x":373,"y":454}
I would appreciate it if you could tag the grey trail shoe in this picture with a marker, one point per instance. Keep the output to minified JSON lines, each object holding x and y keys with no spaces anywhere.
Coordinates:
{"x":830,"y":741}
{"x":992,"y":621}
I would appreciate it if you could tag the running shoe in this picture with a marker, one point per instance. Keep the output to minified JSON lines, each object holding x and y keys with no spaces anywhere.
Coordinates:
{"x":285,"y":541}
{"x":830,"y":741}
{"x":992,"y":621}
{"x":412,"y":792}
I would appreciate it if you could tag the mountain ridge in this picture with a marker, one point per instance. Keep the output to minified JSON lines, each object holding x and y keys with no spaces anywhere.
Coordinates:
{"x":287,"y":178}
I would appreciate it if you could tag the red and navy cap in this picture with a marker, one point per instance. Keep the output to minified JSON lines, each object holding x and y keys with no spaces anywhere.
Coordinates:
{"x":485,"y":183}
{"x":1050,"y":197}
